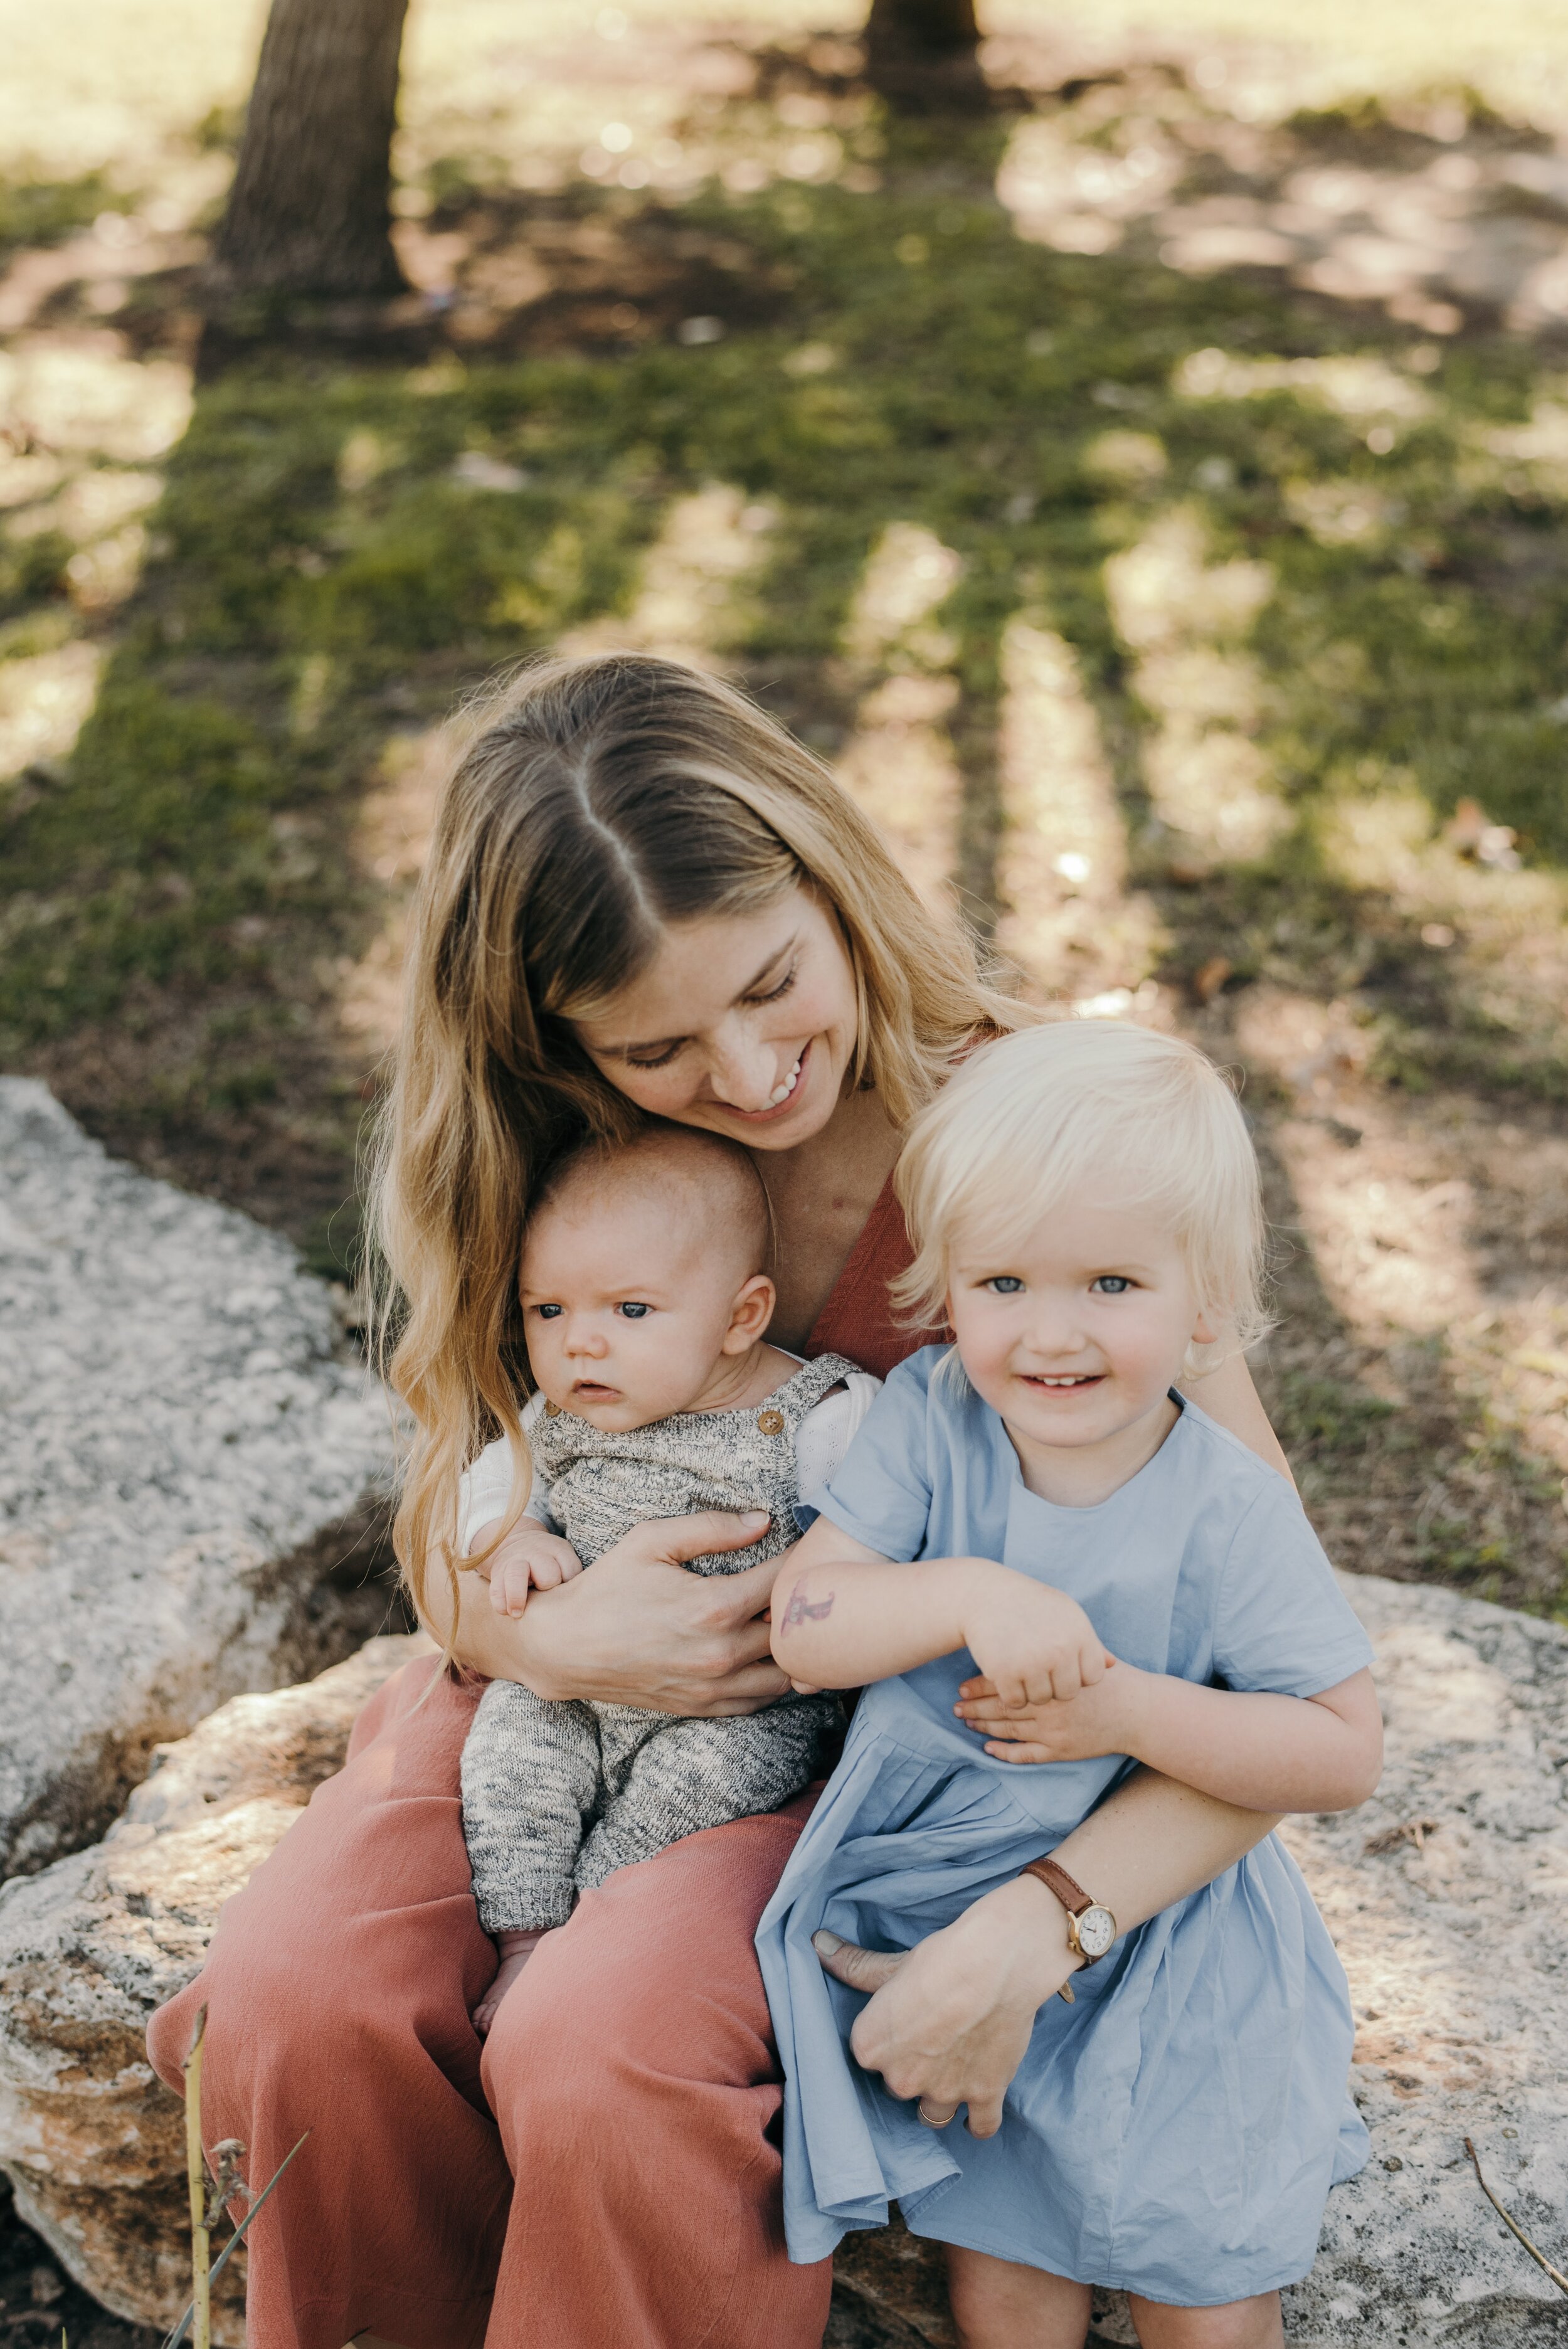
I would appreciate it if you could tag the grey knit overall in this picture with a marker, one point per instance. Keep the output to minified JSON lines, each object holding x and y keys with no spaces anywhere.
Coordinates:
{"x":556,"y":1796}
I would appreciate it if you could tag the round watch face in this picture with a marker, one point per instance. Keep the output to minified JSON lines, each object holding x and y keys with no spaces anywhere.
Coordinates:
{"x":1096,"y":1931}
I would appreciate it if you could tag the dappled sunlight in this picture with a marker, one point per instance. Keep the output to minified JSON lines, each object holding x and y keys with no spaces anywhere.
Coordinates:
{"x":1078,"y":198}
{"x":86,"y":395}
{"x":392,"y":839}
{"x":1202,"y":635}
{"x":1500,"y":935}
{"x":1184,"y":617}
{"x":909,"y":575}
{"x":899,"y":761}
{"x":1419,"y":228}
{"x":696,"y":597}
{"x":79,"y":421}
{"x":1066,"y":920}
{"x":44,"y":701}
{"x":900,"y":766}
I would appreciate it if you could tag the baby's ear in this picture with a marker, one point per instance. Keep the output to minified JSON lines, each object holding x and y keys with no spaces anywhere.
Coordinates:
{"x":750,"y":1313}
{"x":1206,"y":1330}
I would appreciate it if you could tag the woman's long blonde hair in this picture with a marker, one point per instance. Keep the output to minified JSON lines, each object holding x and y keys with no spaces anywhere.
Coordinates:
{"x":596,"y":802}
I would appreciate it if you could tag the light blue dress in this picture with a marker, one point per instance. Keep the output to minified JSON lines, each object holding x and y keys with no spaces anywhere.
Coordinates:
{"x":1175,"y":2131}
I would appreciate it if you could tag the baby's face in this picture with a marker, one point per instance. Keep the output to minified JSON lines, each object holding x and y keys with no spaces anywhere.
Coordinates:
{"x":1079,"y":1333}
{"x":626,"y":1305}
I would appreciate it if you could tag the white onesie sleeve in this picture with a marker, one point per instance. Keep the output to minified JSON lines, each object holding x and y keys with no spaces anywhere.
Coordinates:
{"x":486,"y":1486}
{"x":825,"y":1433}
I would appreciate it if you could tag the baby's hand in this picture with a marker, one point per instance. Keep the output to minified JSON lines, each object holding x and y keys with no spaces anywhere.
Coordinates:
{"x":1032,"y":1643}
{"x":1080,"y":1729}
{"x":528,"y":1559}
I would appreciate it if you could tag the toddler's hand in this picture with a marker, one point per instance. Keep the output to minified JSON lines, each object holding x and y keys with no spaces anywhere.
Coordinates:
{"x":1080,"y":1729}
{"x":1032,"y":1643}
{"x":528,"y":1559}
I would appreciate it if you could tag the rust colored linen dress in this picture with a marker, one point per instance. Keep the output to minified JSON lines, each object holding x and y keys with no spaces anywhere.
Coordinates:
{"x":603,"y":2171}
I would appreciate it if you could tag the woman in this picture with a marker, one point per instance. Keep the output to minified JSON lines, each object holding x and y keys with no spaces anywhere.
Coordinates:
{"x":641,"y":896}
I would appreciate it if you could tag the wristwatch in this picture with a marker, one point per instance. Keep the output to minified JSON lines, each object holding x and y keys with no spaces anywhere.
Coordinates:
{"x":1091,"y":1927}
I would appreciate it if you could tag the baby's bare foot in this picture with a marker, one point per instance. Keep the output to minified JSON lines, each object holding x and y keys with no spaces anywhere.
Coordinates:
{"x":516,"y":1949}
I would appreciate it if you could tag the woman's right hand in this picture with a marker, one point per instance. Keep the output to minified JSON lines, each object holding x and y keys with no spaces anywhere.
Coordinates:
{"x":636,"y":1629}
{"x":949,"y":2020}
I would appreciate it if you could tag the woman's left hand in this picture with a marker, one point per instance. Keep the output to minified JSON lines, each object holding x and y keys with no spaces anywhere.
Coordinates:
{"x":949,"y":2020}
{"x":1097,"y":1721}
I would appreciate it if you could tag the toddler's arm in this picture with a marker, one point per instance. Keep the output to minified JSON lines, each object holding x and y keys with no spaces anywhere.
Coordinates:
{"x":1261,"y":1751}
{"x":844,"y":1614}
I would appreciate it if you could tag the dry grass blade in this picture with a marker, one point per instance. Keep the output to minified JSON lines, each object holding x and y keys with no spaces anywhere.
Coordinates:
{"x":196,"y":2173}
{"x":1558,"y":2277}
{"x":173,"y":2340}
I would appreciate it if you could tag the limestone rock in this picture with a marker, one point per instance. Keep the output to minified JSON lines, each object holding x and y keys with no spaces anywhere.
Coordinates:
{"x":92,"y":2142}
{"x":1449,"y":1926}
{"x":192,"y":1482}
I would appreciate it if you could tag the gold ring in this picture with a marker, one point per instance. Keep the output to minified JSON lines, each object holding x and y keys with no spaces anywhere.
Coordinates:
{"x":927,"y":2117}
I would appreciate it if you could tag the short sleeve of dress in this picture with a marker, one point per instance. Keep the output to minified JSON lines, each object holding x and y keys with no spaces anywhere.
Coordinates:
{"x":881,"y":1492}
{"x":1284,"y":1625}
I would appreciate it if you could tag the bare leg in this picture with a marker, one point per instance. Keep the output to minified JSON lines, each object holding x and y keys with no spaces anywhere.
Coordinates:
{"x":1240,"y":2325}
{"x":516,"y":1949}
{"x":1000,"y":2304}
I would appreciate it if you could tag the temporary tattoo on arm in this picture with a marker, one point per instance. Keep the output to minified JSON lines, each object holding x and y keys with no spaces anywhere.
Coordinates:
{"x":801,"y":1610}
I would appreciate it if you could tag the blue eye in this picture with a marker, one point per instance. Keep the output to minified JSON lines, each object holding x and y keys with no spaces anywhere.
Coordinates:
{"x":1006,"y":1284}
{"x":1112,"y":1284}
{"x":547,"y":1313}
{"x":633,"y":1312}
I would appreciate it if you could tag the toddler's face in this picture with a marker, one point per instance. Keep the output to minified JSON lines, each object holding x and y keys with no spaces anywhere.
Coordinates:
{"x":1079,"y":1333}
{"x":629,"y":1310}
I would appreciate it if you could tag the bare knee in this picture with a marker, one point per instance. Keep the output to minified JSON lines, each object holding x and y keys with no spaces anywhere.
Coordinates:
{"x":1252,"y":2323}
{"x":1001,"y":2304}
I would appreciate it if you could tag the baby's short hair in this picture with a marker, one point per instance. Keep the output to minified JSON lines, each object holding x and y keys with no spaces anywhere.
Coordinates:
{"x":1146,"y":1119}
{"x":715,"y":1178}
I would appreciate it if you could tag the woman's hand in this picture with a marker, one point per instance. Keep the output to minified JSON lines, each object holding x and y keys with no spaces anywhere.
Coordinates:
{"x":1097,"y":1721}
{"x":636,"y":1629}
{"x":949,"y":2021}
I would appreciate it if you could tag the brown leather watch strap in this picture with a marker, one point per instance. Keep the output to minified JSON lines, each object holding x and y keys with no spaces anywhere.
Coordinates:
{"x":1055,"y":1879}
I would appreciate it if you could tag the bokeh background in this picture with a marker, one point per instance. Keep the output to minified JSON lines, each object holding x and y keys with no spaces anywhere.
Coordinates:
{"x":1148,"y":487}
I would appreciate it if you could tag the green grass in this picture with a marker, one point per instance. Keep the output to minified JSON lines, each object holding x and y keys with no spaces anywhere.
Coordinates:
{"x":1445,"y":644}
{"x":185,"y":892}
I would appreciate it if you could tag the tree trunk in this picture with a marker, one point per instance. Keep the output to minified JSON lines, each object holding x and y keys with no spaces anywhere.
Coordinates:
{"x":309,"y":211}
{"x":924,"y":52}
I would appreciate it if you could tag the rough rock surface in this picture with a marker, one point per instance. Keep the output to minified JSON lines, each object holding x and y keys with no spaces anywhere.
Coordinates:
{"x":1450,"y":1927}
{"x":191,"y":1480}
{"x":92,"y":2142}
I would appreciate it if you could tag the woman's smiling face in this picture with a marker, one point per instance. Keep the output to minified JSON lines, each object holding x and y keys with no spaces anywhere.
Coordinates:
{"x":743,"y":1024}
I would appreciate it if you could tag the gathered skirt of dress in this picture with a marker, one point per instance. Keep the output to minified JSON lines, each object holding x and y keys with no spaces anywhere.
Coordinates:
{"x":1174,"y":2132}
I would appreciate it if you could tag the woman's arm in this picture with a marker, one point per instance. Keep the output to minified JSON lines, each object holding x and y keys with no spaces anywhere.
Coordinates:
{"x":847,"y":1615}
{"x":949,"y":2021}
{"x":636,"y":1629}
{"x":1228,"y":1395}
{"x":1262,"y":1752}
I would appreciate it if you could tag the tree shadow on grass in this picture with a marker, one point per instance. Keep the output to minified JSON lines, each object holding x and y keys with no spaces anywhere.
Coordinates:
{"x":346,"y":542}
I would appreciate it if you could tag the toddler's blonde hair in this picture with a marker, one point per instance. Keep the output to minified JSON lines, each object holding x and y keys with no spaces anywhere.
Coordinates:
{"x":1146,"y":1120}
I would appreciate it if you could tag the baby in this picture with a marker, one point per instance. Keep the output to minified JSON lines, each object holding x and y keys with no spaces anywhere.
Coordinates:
{"x":644,"y":1309}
